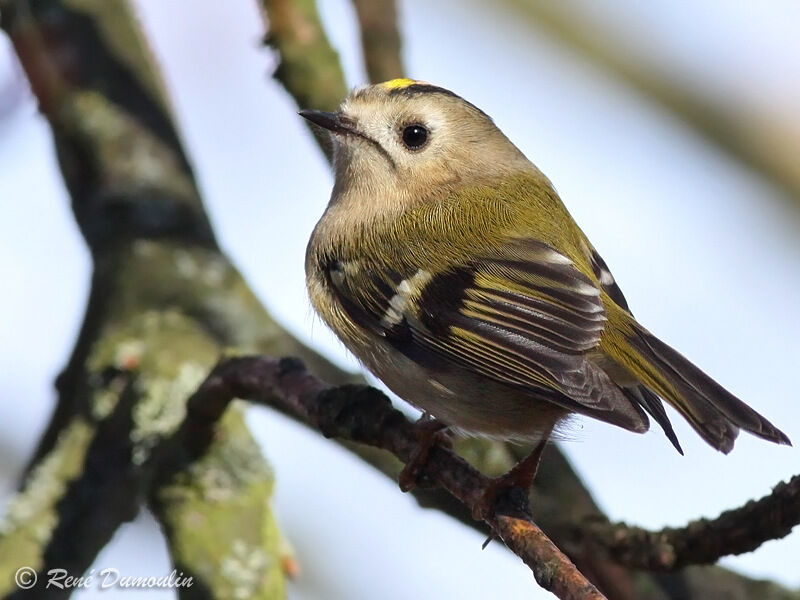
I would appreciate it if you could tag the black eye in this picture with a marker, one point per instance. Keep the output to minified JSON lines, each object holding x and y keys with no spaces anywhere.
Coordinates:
{"x":415,"y":136}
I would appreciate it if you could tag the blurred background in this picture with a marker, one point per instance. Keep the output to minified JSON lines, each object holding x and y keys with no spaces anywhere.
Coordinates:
{"x":672,"y":133}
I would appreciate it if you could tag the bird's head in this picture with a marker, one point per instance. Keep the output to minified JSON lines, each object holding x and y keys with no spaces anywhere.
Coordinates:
{"x":410,"y":139}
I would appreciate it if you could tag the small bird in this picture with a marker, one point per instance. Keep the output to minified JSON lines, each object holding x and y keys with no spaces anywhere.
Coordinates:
{"x":447,"y":263}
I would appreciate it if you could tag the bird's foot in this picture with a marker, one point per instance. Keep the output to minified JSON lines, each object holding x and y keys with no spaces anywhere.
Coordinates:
{"x":430,"y":433}
{"x":510,"y":493}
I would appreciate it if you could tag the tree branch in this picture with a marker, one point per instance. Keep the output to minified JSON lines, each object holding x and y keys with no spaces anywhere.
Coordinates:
{"x":164,"y":303}
{"x":364,"y":414}
{"x":703,"y":541}
{"x":308,"y":65}
{"x":380,"y":39}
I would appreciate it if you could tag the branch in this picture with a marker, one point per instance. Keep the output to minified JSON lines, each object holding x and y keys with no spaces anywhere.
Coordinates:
{"x":164,"y":303}
{"x":380,"y":39}
{"x":308,"y":65}
{"x":365,"y":415}
{"x":703,"y":541}
{"x":551,"y":568}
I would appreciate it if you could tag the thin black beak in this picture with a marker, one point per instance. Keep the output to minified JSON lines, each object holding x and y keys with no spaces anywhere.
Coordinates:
{"x":327,"y":120}
{"x":343,"y":125}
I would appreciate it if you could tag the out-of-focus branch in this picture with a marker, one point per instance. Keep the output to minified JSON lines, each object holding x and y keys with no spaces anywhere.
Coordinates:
{"x":766,"y":143}
{"x":33,"y":513}
{"x":703,"y":541}
{"x":308,"y":66}
{"x":380,"y":39}
{"x":365,"y":415}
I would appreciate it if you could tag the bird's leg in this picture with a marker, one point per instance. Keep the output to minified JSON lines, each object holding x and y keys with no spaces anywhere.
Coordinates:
{"x":520,"y":478}
{"x":430,"y":432}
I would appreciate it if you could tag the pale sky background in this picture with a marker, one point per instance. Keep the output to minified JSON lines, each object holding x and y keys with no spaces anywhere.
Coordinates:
{"x":707,"y":254}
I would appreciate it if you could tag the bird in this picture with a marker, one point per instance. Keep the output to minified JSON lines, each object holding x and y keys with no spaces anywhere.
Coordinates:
{"x":447,"y":263}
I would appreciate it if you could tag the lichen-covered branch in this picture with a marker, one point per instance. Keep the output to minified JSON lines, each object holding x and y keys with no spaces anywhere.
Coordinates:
{"x":32,"y":515}
{"x":363,"y":414}
{"x":220,"y":497}
{"x":380,"y":39}
{"x":164,"y":304}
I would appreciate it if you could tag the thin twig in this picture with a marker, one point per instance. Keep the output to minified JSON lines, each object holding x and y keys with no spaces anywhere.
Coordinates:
{"x":530,"y":543}
{"x":380,"y":39}
{"x":703,"y":541}
{"x":364,"y":414}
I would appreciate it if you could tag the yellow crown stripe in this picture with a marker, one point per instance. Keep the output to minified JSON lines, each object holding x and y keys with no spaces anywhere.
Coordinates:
{"x":396,"y":84}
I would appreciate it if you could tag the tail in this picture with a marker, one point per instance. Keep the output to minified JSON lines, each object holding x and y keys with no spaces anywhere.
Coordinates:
{"x":716,"y":414}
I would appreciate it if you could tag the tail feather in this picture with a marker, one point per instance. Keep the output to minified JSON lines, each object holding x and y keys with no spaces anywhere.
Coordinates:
{"x":716,"y":414}
{"x":652,"y":404}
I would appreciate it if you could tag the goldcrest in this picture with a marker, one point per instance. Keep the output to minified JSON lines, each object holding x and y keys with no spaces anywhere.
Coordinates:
{"x":447,"y":263}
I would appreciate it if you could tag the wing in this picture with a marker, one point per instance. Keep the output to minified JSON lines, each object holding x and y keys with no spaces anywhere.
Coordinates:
{"x":522,"y":314}
{"x":606,"y":279}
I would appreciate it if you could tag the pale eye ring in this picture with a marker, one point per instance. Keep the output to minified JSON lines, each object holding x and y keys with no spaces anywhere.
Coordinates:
{"x":414,"y":136}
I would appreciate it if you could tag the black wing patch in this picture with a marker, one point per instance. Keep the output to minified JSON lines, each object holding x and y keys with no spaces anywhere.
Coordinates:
{"x":523,"y":315}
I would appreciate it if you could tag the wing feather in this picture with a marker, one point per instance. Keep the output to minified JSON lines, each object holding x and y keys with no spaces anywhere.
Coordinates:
{"x":523,"y":315}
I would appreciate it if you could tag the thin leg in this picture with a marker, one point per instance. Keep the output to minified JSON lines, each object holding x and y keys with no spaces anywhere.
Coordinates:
{"x":520,"y":476}
{"x":430,"y":432}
